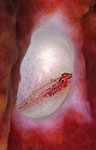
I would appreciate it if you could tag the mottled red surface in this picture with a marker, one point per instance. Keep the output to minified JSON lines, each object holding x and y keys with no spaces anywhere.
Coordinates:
{"x":69,"y":130}
{"x":89,"y":26}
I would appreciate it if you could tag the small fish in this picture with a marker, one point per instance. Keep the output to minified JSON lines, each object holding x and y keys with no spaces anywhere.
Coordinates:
{"x":60,"y":84}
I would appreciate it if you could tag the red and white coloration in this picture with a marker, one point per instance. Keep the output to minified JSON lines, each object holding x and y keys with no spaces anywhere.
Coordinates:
{"x":73,"y":125}
{"x":34,"y":98}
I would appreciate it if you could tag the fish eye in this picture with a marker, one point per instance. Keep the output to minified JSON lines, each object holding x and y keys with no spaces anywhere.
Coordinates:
{"x":49,"y":58}
{"x":63,"y":80}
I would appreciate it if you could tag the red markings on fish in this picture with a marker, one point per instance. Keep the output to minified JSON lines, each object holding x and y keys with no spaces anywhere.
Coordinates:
{"x":61,"y":83}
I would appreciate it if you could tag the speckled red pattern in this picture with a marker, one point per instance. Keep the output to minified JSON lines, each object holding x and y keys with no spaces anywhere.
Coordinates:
{"x":70,"y":135}
{"x":69,"y":130}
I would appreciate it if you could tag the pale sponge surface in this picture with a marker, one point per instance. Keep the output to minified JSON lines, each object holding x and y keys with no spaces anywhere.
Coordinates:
{"x":49,"y":55}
